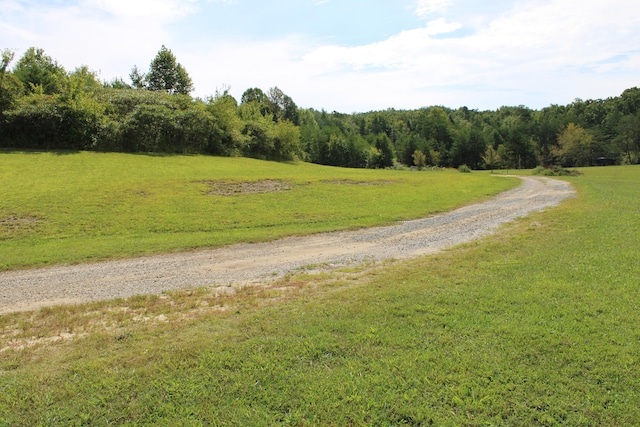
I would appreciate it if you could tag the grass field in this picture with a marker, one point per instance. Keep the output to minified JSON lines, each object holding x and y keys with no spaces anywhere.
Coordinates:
{"x":72,"y":207}
{"x":537,"y":325}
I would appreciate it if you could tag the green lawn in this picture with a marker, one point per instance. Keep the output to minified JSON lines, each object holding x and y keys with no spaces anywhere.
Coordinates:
{"x":73,"y":207}
{"x":537,"y":325}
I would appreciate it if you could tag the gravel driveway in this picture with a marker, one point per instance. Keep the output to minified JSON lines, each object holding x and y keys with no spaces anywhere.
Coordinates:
{"x":246,"y":263}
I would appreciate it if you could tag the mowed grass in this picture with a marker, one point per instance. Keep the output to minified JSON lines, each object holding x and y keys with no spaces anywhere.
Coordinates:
{"x":537,"y":325}
{"x":73,"y":207}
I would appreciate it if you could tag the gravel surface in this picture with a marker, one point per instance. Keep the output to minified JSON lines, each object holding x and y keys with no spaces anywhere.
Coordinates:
{"x":255,"y":263}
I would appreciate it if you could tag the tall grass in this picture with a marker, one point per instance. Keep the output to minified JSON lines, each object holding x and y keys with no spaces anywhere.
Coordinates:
{"x":72,"y":207}
{"x":536,"y":325}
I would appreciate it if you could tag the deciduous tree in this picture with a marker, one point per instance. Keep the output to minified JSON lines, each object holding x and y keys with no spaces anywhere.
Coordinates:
{"x":282,"y":106}
{"x":574,"y":146}
{"x":5,"y":59}
{"x":491,"y":158}
{"x":419,"y":159}
{"x":10,"y":86}
{"x":165,"y":74}
{"x":39,"y":73}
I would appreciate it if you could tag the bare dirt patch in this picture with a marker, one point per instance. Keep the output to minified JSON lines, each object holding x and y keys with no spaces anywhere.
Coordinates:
{"x":14,"y":225}
{"x":17,"y":344}
{"x":225,"y":188}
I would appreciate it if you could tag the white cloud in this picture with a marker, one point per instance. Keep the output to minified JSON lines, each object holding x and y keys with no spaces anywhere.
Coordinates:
{"x":405,"y":49}
{"x":426,"y":8}
{"x":110,"y":36}
{"x":157,"y":9}
{"x":534,"y":53}
{"x":544,"y":49}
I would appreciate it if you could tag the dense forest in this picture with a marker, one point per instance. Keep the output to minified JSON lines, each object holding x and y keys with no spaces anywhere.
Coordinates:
{"x":45,"y":107}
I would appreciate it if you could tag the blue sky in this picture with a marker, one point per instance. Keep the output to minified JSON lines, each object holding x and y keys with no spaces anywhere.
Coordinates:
{"x":351,"y":55}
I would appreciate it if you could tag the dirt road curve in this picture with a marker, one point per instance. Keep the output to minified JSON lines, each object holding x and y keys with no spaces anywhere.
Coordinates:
{"x":243,"y":263}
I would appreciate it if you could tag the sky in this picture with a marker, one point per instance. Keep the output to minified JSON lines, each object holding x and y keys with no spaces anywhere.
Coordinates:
{"x":351,"y":55}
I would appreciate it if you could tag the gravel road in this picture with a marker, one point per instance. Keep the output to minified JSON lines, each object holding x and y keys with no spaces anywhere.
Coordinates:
{"x":254,"y":263}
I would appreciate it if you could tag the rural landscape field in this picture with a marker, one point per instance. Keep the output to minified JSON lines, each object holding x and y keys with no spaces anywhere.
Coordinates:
{"x":319,"y":213}
{"x":535,"y":325}
{"x":65,"y":207}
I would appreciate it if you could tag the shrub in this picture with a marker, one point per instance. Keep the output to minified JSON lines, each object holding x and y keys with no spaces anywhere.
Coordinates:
{"x":52,"y":123}
{"x":555,"y":171}
{"x":464,"y":169}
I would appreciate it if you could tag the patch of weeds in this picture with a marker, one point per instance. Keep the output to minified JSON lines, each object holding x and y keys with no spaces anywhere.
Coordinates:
{"x":17,"y":225}
{"x":555,"y":171}
{"x":224,"y":188}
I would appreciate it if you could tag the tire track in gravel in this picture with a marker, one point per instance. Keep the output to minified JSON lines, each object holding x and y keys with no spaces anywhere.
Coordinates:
{"x":262,"y":262}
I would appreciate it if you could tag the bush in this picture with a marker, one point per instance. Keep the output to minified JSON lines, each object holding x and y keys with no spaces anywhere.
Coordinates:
{"x":555,"y":171}
{"x":150,"y":128}
{"x":51,"y":123}
{"x":464,"y":169}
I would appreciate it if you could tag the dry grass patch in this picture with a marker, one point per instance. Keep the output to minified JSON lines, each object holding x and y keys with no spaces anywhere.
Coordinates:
{"x":56,"y":325}
{"x":15,"y":225}
{"x":225,"y":188}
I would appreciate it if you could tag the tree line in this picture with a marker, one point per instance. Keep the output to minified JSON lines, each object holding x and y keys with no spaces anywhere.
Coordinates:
{"x":43,"y":106}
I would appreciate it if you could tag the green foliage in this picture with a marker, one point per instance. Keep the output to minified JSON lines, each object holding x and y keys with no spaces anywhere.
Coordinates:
{"x":266,"y":137}
{"x":117,"y":83}
{"x":464,"y":169}
{"x":228,"y":138}
{"x":138,"y":78}
{"x":435,"y":158}
{"x":166,"y":74}
{"x":274,"y":104}
{"x":575,"y":146}
{"x":419,"y":159}
{"x":286,"y":137}
{"x":257,"y":131}
{"x":406,"y":145}
{"x":384,"y":152}
{"x":491,"y":158}
{"x":255,"y":95}
{"x":5,"y":59}
{"x":150,"y":128}
{"x":628,"y":138}
{"x":468,"y":147}
{"x":83,"y":81}
{"x":556,"y":171}
{"x":282,"y":106}
{"x":39,"y":73}
{"x":167,"y":124}
{"x":582,"y":133}
{"x":52,"y":123}
{"x":516,"y":132}
{"x":10,"y":91}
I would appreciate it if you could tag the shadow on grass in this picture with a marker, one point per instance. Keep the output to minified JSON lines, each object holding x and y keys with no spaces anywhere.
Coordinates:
{"x":4,"y":150}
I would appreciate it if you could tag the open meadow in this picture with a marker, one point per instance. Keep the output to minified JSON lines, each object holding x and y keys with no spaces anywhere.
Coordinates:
{"x":536,"y":325}
{"x":68,"y":207}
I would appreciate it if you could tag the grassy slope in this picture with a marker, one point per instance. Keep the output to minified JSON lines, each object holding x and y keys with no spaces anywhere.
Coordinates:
{"x":534,"y":326}
{"x":71,"y":207}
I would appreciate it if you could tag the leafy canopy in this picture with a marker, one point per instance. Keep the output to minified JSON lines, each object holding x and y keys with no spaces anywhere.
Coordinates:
{"x":166,"y":74}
